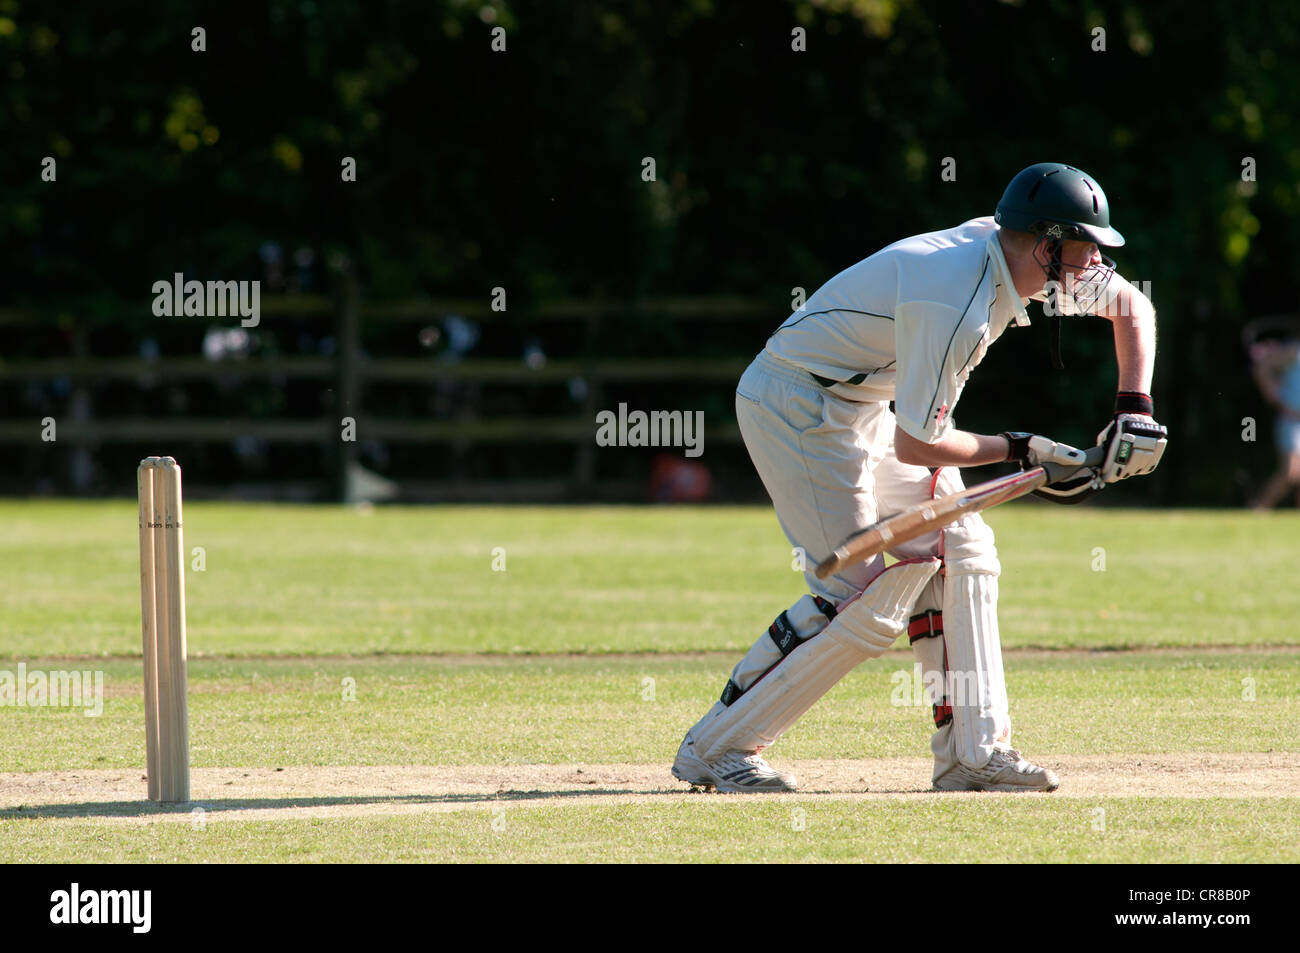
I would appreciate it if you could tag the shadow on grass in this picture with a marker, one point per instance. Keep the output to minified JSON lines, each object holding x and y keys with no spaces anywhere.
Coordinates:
{"x":150,"y":809}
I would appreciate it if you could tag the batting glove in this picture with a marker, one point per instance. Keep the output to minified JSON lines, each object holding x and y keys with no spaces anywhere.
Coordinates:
{"x":1133,"y":440}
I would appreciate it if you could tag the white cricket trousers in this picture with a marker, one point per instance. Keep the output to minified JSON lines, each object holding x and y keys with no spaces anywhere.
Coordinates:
{"x":828,"y":465}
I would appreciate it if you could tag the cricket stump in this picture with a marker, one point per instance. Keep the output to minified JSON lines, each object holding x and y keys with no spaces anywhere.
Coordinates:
{"x":162,"y":611}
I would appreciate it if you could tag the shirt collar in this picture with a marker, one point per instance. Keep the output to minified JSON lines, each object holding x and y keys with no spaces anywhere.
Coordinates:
{"x":1002,"y":276}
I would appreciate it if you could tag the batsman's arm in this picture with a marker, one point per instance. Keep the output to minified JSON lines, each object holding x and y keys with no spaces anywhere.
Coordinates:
{"x":957,"y":448}
{"x":1134,"y":320}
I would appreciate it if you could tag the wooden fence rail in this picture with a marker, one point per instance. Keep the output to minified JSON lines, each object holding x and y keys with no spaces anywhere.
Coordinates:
{"x":351,"y":372}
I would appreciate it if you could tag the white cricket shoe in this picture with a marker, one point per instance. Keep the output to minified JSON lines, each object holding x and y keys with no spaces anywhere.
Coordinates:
{"x":1006,"y":771}
{"x":734,"y":772}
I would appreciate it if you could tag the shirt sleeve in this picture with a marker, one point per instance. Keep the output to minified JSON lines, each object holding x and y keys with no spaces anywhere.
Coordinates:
{"x":931,"y":355}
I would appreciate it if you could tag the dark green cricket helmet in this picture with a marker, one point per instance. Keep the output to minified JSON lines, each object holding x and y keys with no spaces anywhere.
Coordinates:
{"x":1053,"y":194}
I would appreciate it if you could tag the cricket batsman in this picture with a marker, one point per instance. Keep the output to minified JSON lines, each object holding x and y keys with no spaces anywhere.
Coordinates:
{"x":909,"y":324}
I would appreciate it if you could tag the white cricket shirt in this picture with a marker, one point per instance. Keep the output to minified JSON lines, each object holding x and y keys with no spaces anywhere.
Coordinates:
{"x":908,"y":324}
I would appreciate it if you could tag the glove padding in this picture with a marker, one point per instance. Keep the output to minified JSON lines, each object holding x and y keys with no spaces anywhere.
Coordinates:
{"x":1031,"y":450}
{"x":1134,"y":445}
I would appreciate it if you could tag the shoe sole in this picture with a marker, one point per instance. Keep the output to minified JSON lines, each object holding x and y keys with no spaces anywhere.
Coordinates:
{"x":701,"y":776}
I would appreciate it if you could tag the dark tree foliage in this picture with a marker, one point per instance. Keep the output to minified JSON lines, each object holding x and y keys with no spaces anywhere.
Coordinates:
{"x":774,"y":168}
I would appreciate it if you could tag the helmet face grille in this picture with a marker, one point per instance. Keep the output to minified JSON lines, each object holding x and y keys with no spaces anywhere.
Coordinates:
{"x":1071,"y":293}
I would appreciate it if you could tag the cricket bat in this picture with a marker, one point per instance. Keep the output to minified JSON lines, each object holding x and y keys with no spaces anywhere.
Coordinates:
{"x":931,"y":515}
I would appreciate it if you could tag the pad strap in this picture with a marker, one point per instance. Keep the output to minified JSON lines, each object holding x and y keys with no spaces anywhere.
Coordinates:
{"x":786,"y":639}
{"x":927,"y":625}
{"x":731,"y":692}
{"x":785,"y":635}
{"x":942,"y":709}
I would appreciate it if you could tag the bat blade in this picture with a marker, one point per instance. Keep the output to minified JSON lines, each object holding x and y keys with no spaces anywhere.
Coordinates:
{"x":928,"y":516}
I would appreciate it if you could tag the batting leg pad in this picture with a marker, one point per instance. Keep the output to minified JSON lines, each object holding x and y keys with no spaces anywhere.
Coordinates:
{"x":975,"y":682}
{"x":925,"y":633}
{"x":795,"y":625}
{"x":864,"y":627}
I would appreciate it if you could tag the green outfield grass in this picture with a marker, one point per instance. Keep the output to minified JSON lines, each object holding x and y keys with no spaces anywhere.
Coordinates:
{"x":324,"y":637}
{"x":326,"y":580}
